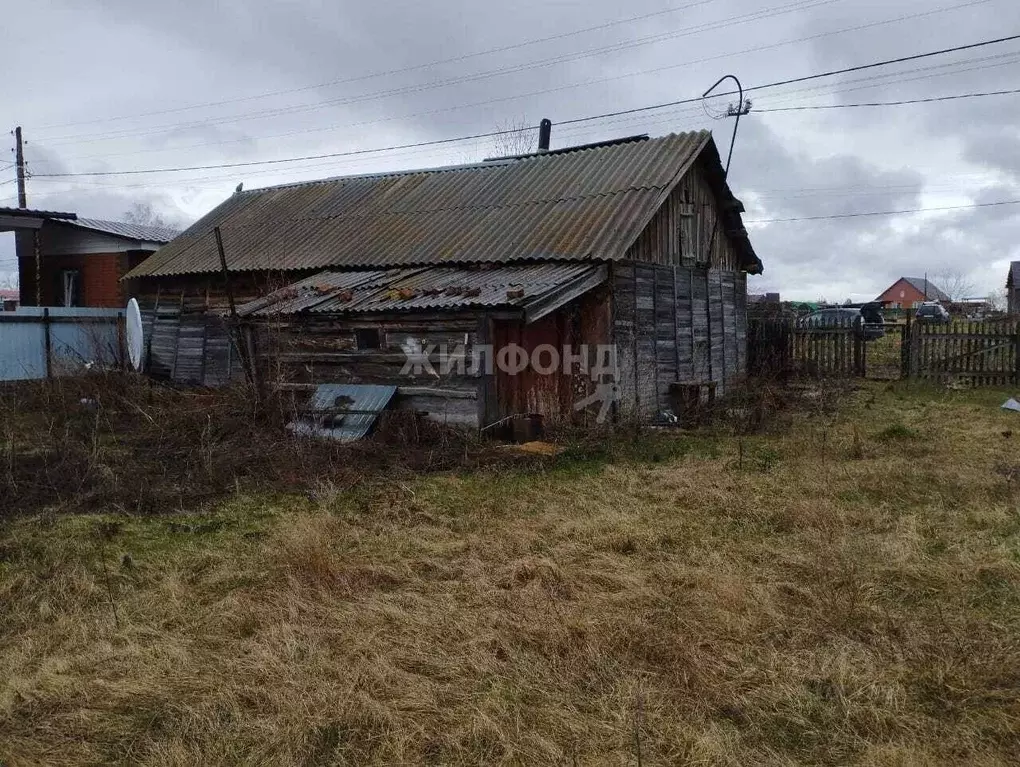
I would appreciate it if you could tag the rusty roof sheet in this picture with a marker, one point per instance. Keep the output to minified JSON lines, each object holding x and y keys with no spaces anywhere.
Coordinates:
{"x":588,"y":203}
{"x":534,"y":288}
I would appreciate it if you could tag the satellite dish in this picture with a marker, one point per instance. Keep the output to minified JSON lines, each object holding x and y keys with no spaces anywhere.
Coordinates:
{"x":133,"y":334}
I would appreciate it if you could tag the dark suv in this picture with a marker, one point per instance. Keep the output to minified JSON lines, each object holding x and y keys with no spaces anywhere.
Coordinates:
{"x":843,"y":317}
{"x":932,"y":312}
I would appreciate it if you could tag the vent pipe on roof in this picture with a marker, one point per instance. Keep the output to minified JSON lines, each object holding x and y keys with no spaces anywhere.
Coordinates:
{"x":544,"y":132}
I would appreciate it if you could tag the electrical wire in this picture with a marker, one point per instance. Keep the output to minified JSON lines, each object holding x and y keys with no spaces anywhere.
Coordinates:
{"x":389,"y":72}
{"x":806,"y":78}
{"x":776,"y":84}
{"x":881,"y":212}
{"x":798,"y":5}
{"x":96,"y":138}
{"x":901,"y":102}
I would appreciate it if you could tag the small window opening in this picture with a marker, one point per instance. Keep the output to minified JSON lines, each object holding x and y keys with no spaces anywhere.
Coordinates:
{"x":368,"y":338}
{"x":70,"y":282}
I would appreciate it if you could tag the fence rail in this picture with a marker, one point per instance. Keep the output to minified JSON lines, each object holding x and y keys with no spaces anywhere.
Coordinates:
{"x":47,"y":342}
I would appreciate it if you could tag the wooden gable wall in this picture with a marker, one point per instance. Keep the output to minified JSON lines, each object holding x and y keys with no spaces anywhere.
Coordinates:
{"x":680,"y":232}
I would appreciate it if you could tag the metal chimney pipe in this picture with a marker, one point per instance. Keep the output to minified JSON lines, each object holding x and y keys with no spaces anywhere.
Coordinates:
{"x":544,"y":132}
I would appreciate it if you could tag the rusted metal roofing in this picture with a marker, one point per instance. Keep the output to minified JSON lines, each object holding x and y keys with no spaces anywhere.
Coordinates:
{"x":318,"y":288}
{"x":343,"y":412}
{"x":536,"y":289}
{"x":590,"y":203}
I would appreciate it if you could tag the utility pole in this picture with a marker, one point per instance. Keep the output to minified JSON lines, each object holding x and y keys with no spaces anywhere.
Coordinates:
{"x":19,"y":161}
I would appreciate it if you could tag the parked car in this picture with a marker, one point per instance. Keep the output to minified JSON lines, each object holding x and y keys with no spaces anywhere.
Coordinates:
{"x":842,"y":317}
{"x":932,"y":312}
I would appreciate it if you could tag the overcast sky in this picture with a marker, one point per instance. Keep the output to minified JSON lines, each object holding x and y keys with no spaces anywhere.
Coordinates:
{"x":130,"y":85}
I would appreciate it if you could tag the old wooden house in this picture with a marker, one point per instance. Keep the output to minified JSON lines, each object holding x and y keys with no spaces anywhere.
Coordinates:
{"x":614,"y":267}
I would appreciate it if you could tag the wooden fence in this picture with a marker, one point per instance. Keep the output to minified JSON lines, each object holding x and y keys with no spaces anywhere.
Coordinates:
{"x":780,"y":347}
{"x":974,"y":353}
{"x":978,"y":353}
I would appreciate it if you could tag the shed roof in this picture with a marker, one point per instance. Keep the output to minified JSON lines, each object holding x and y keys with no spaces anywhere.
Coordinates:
{"x":129,"y":231}
{"x":587,"y":203}
{"x":536,"y":289}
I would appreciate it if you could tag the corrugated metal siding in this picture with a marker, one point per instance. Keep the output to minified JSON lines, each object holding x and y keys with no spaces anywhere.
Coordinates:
{"x":590,"y":203}
{"x":365,"y":401}
{"x":78,"y":335}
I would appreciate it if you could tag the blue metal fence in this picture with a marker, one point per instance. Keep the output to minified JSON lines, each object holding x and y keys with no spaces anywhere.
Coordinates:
{"x":45,"y":342}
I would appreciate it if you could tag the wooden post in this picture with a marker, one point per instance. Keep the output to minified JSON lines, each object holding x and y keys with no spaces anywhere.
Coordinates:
{"x":47,"y":343}
{"x":121,"y":342}
{"x":859,"y":353}
{"x":1016,"y":354}
{"x":241,"y":342}
{"x":905,"y":349}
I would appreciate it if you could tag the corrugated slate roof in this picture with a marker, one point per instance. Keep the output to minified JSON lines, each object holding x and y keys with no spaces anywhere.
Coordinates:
{"x":926,"y":287}
{"x":569,"y":205}
{"x":129,"y":231}
{"x":537,"y":289}
{"x":1014,"y":274}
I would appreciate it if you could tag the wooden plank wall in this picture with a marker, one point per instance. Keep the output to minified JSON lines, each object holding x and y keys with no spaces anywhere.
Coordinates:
{"x":680,"y":232}
{"x":188,"y":345}
{"x":675,"y":323}
{"x":297,"y":354}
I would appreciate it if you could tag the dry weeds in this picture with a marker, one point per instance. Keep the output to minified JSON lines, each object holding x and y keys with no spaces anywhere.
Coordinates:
{"x":847,"y":593}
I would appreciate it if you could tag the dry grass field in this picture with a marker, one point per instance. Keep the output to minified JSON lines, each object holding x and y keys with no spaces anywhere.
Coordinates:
{"x":844,"y":589}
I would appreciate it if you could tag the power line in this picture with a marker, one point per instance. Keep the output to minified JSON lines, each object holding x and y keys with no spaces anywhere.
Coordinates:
{"x":776,"y":84}
{"x":117,"y":135}
{"x":798,"y":5}
{"x":806,"y":78}
{"x":881,"y":212}
{"x":386,"y":73}
{"x":892,"y":103}
{"x":289,"y":159}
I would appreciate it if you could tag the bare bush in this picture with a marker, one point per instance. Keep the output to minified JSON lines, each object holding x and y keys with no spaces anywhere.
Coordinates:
{"x":116,"y":442}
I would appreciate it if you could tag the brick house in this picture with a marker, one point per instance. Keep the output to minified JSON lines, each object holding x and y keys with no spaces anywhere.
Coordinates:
{"x":64,"y":260}
{"x":909,"y":292}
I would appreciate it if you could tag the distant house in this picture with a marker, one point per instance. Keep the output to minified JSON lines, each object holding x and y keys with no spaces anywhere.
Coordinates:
{"x":8,"y":300}
{"x":909,"y":292}
{"x":64,"y":260}
{"x":634,"y":245}
{"x":1013,"y":288}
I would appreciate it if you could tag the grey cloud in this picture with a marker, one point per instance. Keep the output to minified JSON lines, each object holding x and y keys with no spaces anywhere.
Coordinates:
{"x":826,"y":163}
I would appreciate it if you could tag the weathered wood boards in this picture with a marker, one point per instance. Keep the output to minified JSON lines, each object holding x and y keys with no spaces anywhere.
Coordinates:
{"x":675,"y":323}
{"x":980,"y":353}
